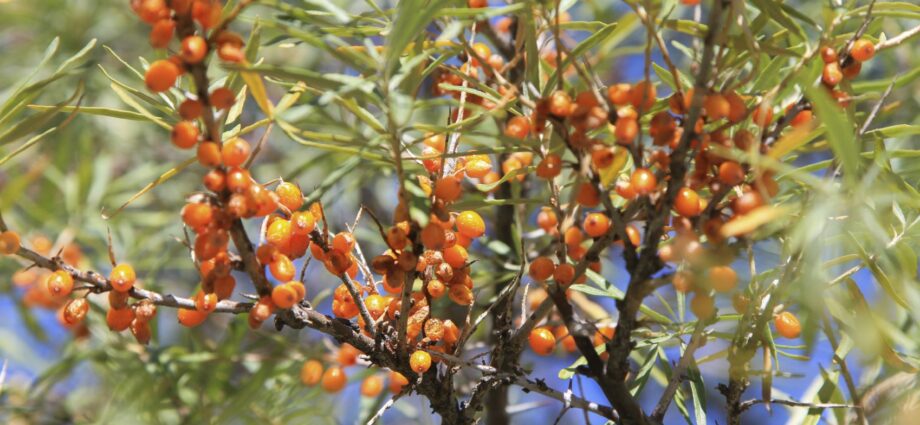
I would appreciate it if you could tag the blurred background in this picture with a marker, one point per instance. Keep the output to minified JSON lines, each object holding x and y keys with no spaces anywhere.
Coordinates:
{"x":59,"y":189}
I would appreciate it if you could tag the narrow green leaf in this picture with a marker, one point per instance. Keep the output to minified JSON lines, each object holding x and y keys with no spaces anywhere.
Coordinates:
{"x":581,"y":49}
{"x":26,"y":145}
{"x":125,"y":97}
{"x":411,"y":18}
{"x":94,"y":110}
{"x":159,"y":180}
{"x":698,"y":392}
{"x":840,"y":132}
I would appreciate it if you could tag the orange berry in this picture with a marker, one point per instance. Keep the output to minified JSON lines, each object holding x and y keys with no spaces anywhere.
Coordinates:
{"x":197,"y":215}
{"x":290,"y":196}
{"x":828,"y":54}
{"x":59,"y":283}
{"x":437,"y":141}
{"x":42,"y":245}
{"x":747,"y":202}
{"x":596,"y":224}
{"x":642,"y":95}
{"x":263,"y":308}
{"x":150,"y":11}
{"x":736,"y":107}
{"x":547,"y":219}
{"x":549,"y":167}
{"x":311,"y":372}
{"x":397,"y":380}
{"x":560,"y":104}
{"x":279,"y":233}
{"x":803,"y":117}
{"x":119,"y":319}
{"x":542,"y":341}
{"x":222,"y":98}
{"x":161,"y":33}
{"x":851,"y":70}
{"x":334,"y":379}
{"x":643,"y":181}
{"x":284,"y":296}
{"x":282,"y":268}
{"x":862,"y":50}
{"x":206,"y":12}
{"x":161,"y":75}
{"x":490,"y":178}
{"x":215,"y":180}
{"x":118,"y":299}
{"x":626,"y":130}
{"x":343,"y":242}
{"x":762,"y":115}
{"x":683,"y":282}
{"x":194,"y":48}
{"x":588,"y":195}
{"x":205,"y":303}
{"x":376,"y":305}
{"x":460,"y":294}
{"x":435,"y":288}
{"x":302,"y":223}
{"x":141,"y":331}
{"x":433,"y":236}
{"x":455,"y":256}
{"x":470,"y":224}
{"x":731,"y":173}
{"x":75,"y":310}
{"x":716,"y":106}
{"x":185,"y":134}
{"x":624,"y":189}
{"x":209,"y":154}
{"x":831,"y":74}
{"x":122,"y":278}
{"x":564,"y":274}
{"x":703,"y":306}
{"x":298,"y":288}
{"x":447,"y":189}
{"x":234,"y":152}
{"x":687,"y":203}
{"x":518,"y":127}
{"x":420,"y":362}
{"x":602,"y":157}
{"x":618,"y":94}
{"x":372,"y":386}
{"x":541,"y":268}
{"x":604,"y":334}
{"x":573,"y":237}
{"x":190,"y":109}
{"x":723,"y":278}
{"x":478,"y":167}
{"x":348,"y":355}
{"x":787,"y":325}
{"x":9,"y":242}
{"x":223,"y":286}
{"x":238,"y":180}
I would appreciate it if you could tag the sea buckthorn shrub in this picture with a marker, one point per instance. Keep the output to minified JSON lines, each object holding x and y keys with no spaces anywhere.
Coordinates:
{"x":679,"y":200}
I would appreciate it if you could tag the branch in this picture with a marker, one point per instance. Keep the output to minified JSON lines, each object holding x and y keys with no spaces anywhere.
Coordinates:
{"x":696,"y":341}
{"x":750,"y":403}
{"x":640,"y":284}
{"x":537,"y":386}
{"x":251,"y":264}
{"x":897,"y":40}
